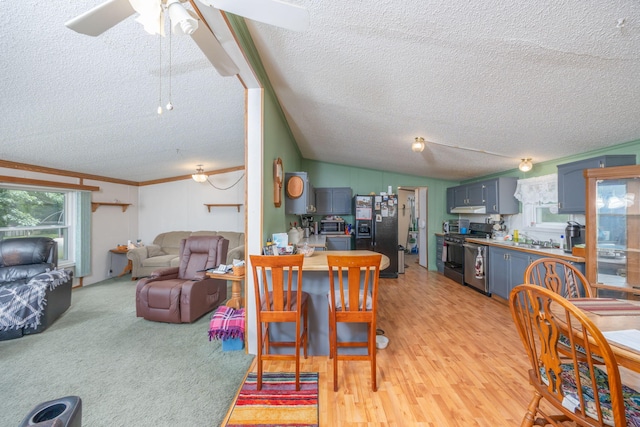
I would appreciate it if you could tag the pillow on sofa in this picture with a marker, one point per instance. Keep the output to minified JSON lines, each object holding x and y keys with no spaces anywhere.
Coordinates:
{"x":155,"y":251}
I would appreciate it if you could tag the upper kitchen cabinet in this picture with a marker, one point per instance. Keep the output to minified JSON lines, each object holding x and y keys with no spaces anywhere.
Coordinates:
{"x":299,"y":195}
{"x":333,"y":201}
{"x":571,"y":182}
{"x":499,"y":196}
{"x":468,"y":195}
{"x":494,"y":196}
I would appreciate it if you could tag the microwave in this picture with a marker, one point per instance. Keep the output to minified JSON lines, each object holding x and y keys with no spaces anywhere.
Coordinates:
{"x":332,"y":226}
{"x":454,"y":226}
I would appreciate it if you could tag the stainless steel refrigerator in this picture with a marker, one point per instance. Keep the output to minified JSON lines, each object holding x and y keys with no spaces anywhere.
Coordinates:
{"x":377,"y":228}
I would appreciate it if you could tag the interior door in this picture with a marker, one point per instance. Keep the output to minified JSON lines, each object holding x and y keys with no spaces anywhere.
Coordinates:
{"x":421,"y":216}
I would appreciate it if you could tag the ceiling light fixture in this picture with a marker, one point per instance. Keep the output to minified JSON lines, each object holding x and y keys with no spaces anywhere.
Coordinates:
{"x":199,"y":176}
{"x":525,"y":165}
{"x":418,"y":144}
{"x":181,"y":21}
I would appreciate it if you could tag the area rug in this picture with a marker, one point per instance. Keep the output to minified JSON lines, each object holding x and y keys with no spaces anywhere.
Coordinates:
{"x":278,"y":403}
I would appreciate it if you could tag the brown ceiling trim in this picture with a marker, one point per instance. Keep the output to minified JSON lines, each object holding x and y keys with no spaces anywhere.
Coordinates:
{"x":61,"y":172}
{"x":180,"y":178}
{"x":41,"y":183}
{"x":83,"y":176}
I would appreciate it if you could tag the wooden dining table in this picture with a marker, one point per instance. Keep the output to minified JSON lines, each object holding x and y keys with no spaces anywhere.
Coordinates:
{"x":609,"y":315}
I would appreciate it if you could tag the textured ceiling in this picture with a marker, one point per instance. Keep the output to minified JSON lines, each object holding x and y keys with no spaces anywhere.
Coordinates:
{"x":541,"y":79}
{"x":88,"y":104}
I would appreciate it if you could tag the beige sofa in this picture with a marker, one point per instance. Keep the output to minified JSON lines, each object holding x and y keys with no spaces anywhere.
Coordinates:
{"x":164,"y":252}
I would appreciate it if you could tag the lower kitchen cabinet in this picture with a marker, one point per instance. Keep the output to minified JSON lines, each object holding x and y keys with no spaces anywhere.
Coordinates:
{"x":507,"y":267}
{"x":506,"y":270}
{"x":339,"y":243}
{"x":439,"y":247}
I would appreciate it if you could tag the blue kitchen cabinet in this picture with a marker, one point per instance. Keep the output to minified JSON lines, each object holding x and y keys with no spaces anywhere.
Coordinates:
{"x":507,"y":267}
{"x":439,"y":247}
{"x":499,"y":272}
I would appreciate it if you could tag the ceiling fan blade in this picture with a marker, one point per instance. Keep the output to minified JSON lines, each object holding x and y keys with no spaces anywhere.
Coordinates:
{"x":102,"y":17}
{"x":272,"y":12}
{"x":214,"y":52}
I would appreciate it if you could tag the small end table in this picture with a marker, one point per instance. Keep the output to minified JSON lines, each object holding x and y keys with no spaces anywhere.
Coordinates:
{"x":236,"y":301}
{"x":129,"y":266}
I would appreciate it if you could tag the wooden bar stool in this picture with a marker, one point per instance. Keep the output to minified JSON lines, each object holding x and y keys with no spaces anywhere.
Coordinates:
{"x":278,"y":301}
{"x":353,"y":300}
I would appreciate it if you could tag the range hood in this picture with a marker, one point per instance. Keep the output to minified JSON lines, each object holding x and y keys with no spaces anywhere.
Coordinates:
{"x":470,"y":209}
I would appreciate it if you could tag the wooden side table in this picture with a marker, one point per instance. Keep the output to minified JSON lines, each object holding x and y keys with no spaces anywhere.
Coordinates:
{"x":236,"y":301}
{"x":129,"y":266}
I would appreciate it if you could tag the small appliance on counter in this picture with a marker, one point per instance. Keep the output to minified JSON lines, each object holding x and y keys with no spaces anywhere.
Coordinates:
{"x":332,"y":226}
{"x":574,"y":234}
{"x":455,"y":226}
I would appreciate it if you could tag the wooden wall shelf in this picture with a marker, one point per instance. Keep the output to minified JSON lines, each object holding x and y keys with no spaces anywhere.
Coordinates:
{"x":96,"y":205}
{"x":210,"y":205}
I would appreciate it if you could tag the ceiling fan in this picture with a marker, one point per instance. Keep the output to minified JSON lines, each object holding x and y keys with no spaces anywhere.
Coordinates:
{"x":184,"y":21}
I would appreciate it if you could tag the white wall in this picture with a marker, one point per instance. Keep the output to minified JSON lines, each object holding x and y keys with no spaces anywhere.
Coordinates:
{"x":109,"y":225}
{"x":180,"y":206}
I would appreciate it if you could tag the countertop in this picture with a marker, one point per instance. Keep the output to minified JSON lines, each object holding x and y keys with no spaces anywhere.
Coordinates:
{"x":554,"y":253}
{"x":320,"y":240}
{"x":315,"y":240}
{"x":318,"y":261}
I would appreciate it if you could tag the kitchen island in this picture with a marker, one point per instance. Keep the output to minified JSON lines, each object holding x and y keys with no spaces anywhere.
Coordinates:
{"x":315,"y":281}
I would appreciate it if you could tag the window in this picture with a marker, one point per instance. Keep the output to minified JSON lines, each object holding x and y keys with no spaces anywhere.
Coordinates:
{"x":37,"y":212}
{"x":539,"y":197}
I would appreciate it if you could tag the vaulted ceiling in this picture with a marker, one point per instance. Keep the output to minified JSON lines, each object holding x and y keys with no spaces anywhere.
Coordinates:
{"x":487,"y":82}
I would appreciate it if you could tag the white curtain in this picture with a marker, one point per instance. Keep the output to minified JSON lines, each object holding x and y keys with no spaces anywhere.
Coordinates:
{"x":540,"y":190}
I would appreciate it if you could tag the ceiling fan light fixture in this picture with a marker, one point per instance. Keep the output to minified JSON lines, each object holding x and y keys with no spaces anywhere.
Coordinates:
{"x":525,"y":165}
{"x":181,"y":21}
{"x":418,"y":144}
{"x":199,"y":176}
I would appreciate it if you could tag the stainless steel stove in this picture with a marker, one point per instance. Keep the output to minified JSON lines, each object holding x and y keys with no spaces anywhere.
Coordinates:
{"x":454,"y":264}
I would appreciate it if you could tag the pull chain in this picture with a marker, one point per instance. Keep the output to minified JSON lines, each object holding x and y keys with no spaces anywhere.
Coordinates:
{"x":160,"y":88}
{"x":170,"y":105}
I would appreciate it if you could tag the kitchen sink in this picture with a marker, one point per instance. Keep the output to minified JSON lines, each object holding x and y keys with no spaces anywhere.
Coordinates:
{"x":534,"y":245}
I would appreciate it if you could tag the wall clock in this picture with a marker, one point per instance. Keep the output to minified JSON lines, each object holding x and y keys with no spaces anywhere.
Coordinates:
{"x":278,"y":179}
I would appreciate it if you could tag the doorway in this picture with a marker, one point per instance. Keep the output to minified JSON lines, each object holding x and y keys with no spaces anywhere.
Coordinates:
{"x":412,"y":201}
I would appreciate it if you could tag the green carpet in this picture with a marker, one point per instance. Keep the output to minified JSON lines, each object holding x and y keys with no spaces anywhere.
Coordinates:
{"x":128,"y":371}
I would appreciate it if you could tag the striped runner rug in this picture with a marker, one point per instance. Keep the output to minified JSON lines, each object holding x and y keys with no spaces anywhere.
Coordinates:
{"x":278,"y":403}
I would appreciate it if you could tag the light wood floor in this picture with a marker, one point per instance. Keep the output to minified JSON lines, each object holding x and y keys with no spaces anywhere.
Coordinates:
{"x":454,"y":359}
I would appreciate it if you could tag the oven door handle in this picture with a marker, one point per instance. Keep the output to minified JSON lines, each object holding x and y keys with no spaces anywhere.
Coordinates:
{"x":471,"y":245}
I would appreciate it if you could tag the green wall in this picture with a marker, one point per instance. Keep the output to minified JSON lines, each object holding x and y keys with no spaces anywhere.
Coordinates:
{"x":365,"y":181}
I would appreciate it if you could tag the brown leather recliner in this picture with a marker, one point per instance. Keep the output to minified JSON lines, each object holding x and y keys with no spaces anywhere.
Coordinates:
{"x":183,"y":294}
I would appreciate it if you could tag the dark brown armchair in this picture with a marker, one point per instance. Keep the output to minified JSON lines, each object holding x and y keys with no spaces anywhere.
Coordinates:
{"x":183,"y":294}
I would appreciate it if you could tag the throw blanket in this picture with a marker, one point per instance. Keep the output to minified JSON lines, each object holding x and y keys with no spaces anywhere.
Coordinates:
{"x":227,"y":322}
{"x":21,"y":305}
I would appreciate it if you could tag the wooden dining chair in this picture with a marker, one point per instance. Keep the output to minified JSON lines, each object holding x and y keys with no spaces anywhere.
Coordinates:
{"x":594,"y":397}
{"x":562,"y":278}
{"x":279,"y":299}
{"x":559,"y":276}
{"x":353,"y":296}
